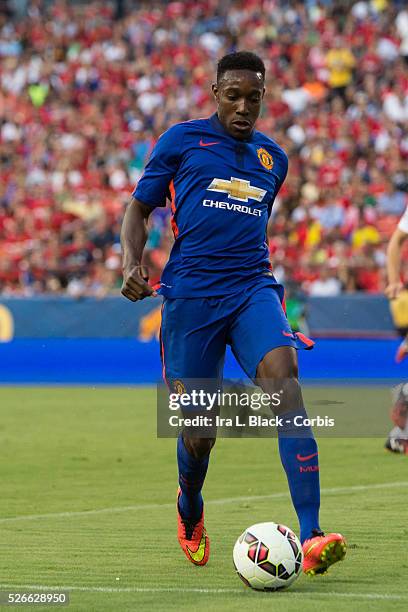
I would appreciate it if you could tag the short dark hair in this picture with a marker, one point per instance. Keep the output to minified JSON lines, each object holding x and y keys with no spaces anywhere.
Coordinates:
{"x":240,"y":60}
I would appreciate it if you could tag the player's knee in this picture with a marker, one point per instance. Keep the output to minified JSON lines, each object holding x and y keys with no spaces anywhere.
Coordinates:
{"x":278,"y":374}
{"x":281,"y":363}
{"x":287,"y":370}
{"x":199,"y":447}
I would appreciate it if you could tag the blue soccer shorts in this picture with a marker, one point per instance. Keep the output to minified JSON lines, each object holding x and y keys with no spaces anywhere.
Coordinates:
{"x":196,"y":331}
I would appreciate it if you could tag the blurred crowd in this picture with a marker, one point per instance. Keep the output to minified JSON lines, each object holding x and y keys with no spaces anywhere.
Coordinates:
{"x":86,"y":89}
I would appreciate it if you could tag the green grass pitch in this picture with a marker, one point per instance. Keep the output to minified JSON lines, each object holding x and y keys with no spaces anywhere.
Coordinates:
{"x":88,"y":504}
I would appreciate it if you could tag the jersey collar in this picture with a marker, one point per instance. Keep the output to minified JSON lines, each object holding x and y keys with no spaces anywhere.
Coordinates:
{"x":217,"y":125}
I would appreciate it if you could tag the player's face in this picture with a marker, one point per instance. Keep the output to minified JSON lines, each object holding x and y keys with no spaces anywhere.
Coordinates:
{"x":239,"y":95}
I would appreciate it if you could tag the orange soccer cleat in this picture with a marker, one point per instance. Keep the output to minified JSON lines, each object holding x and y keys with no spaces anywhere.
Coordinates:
{"x":321,"y":551}
{"x":193,"y":538}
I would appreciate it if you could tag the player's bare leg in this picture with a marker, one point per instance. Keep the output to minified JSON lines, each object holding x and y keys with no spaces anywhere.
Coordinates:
{"x":278,"y":371}
{"x":193,"y":455}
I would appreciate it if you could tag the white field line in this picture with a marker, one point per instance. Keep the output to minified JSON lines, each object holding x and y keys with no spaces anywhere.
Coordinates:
{"x":214,"y":502}
{"x":210,"y":591}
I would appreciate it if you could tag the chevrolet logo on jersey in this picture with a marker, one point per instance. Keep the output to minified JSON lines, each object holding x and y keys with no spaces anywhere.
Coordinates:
{"x":238,"y":189}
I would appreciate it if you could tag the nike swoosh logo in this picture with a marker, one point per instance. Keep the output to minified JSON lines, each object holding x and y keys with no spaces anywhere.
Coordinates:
{"x":311,"y":547}
{"x":306,"y":458}
{"x":207,"y":144}
{"x":198,"y":555}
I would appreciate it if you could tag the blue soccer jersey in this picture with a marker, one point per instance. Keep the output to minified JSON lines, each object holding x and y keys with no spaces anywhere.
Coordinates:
{"x":222,"y":190}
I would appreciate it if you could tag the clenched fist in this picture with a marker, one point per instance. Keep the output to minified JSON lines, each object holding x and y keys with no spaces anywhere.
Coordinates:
{"x":135,"y":284}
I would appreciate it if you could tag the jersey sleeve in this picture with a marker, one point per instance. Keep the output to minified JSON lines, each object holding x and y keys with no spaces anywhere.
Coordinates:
{"x":153,"y":186}
{"x":403,"y":224}
{"x":280,"y":171}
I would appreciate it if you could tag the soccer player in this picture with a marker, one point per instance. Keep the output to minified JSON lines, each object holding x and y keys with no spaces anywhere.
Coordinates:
{"x":397,"y":441}
{"x":395,"y":285}
{"x":398,"y":437}
{"x":222,"y":176}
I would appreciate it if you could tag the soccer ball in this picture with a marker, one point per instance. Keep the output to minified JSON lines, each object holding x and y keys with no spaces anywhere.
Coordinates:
{"x":268,"y":557}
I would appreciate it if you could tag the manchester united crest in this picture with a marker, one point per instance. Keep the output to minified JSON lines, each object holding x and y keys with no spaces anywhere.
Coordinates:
{"x":265,"y":158}
{"x":179,"y":387}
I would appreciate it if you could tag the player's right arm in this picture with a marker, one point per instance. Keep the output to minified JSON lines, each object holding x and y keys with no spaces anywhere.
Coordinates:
{"x":133,"y":238}
{"x":151,"y":192}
